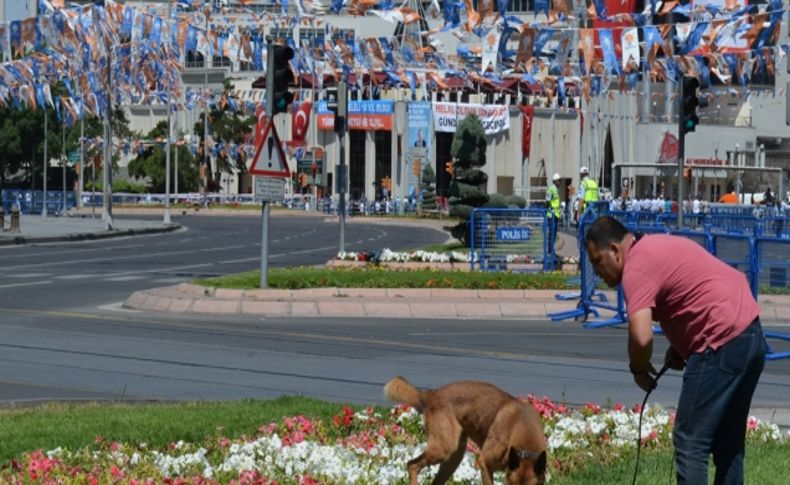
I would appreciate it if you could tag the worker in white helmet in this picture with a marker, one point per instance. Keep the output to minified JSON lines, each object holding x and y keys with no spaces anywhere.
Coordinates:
{"x":588,"y":191}
{"x":553,"y":217}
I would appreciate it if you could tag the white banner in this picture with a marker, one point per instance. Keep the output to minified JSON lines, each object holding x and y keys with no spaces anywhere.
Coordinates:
{"x":630,"y":43}
{"x":446,"y":116}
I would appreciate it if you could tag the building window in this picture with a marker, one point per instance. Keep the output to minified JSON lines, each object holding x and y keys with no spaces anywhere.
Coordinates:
{"x":193,"y":59}
{"x":222,"y":61}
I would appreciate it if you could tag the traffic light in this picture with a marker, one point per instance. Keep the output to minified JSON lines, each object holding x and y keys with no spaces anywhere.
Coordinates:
{"x":687,"y":173}
{"x":282,"y":78}
{"x":689,"y":102}
{"x":302,"y":179}
{"x":386,"y":183}
{"x":448,"y":167}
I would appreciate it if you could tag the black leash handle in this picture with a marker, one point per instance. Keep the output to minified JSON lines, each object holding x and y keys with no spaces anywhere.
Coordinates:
{"x":641,"y":411}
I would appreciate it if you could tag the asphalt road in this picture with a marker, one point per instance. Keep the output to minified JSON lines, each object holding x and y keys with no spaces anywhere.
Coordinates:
{"x":63,"y":335}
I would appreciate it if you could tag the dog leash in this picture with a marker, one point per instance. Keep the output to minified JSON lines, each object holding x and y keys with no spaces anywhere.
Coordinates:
{"x":641,"y":412}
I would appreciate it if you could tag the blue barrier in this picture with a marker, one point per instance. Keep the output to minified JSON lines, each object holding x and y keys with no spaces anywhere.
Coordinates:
{"x":590,"y":298}
{"x":759,"y":248}
{"x":32,"y":202}
{"x":497,"y":234}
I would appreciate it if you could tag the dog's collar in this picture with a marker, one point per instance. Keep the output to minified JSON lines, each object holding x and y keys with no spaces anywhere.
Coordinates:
{"x":528,"y":454}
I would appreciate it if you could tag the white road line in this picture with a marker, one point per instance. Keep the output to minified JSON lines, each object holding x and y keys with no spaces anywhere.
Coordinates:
{"x":26,"y":275}
{"x":124,"y":278}
{"x":83,"y":276}
{"x":30,"y":283}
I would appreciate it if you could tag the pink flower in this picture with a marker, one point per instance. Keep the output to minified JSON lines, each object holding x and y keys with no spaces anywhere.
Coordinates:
{"x":751,"y":425}
{"x":115,"y":472}
{"x":224,"y":442}
{"x":594,"y":408}
{"x":618,"y":406}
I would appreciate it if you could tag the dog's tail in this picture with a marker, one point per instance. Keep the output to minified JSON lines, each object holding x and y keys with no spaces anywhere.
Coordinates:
{"x":399,"y":390}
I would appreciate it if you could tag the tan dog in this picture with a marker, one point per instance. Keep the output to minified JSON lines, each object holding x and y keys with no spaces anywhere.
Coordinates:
{"x":508,"y":432}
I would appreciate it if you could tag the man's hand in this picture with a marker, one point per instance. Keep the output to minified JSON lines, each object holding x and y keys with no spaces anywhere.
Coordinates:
{"x":645,"y":378}
{"x":674,"y":359}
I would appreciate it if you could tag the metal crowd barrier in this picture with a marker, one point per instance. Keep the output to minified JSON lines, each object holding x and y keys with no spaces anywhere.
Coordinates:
{"x":32,"y":201}
{"x":757,"y":247}
{"x":496,"y":234}
{"x":590,"y":298}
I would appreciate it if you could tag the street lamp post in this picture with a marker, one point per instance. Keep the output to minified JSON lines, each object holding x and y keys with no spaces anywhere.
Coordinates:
{"x":44,"y":168}
{"x":166,"y":219}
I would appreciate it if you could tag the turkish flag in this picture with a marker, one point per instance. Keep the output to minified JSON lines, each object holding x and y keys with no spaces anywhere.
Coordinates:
{"x":526,"y":129}
{"x":260,"y":114}
{"x":300,"y":122}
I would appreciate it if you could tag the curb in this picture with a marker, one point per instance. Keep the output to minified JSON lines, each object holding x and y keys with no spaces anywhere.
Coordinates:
{"x":187,"y":298}
{"x":87,"y":236}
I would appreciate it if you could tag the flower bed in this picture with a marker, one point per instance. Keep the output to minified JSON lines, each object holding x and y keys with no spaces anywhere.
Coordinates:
{"x":450,"y":260}
{"x":355,"y":447}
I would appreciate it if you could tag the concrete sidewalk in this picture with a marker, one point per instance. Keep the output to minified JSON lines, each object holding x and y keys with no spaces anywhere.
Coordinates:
{"x":77,"y":227}
{"x":381,"y":302}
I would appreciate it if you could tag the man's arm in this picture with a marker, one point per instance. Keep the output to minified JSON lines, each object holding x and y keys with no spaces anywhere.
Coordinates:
{"x":640,"y":339}
{"x":640,"y":348}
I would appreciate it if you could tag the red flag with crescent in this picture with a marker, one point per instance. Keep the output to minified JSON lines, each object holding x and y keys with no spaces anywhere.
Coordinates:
{"x":300,"y":123}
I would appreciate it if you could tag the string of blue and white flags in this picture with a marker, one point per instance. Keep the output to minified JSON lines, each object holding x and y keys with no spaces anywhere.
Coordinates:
{"x":72,"y":46}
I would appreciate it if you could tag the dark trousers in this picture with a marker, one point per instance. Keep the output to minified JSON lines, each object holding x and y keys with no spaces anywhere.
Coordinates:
{"x":714,"y":407}
{"x":552,"y":252}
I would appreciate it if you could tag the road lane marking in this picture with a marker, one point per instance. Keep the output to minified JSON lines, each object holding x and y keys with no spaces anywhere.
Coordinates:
{"x":124,"y":278}
{"x":83,"y":276}
{"x":29,"y":283}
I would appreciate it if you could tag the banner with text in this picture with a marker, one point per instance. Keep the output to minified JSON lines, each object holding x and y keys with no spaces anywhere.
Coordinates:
{"x":446,"y":116}
{"x":418,"y":153}
{"x":325,"y":118}
{"x":370,"y":115}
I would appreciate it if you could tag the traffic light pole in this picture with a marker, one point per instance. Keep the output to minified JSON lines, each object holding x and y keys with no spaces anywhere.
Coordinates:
{"x":340,"y":129}
{"x":681,"y":181}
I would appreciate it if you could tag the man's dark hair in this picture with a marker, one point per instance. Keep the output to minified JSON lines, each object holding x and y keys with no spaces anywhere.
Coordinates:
{"x":604,"y":231}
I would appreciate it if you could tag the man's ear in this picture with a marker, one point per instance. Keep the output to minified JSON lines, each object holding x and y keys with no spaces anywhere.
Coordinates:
{"x":540,"y":464}
{"x":512,"y":459}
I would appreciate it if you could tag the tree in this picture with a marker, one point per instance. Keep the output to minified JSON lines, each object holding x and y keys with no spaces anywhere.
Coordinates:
{"x":228,"y":127}
{"x":428,"y":189}
{"x":150,"y":163}
{"x":22,"y":140}
{"x":468,"y":185}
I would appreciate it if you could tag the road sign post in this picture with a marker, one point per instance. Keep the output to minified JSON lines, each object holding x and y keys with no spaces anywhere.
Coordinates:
{"x":271,"y":170}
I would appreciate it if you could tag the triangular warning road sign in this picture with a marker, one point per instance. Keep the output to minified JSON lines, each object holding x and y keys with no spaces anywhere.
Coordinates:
{"x":269,"y":155}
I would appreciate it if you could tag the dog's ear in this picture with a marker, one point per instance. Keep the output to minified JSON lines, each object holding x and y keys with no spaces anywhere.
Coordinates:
{"x":540,"y":464}
{"x":512,"y":459}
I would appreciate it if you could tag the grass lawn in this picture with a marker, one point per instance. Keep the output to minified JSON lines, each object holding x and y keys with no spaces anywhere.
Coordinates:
{"x":374,"y":277}
{"x":765,"y":464}
{"x":76,"y":425}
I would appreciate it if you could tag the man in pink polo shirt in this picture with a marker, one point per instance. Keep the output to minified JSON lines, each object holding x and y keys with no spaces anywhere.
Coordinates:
{"x":711,"y":320}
